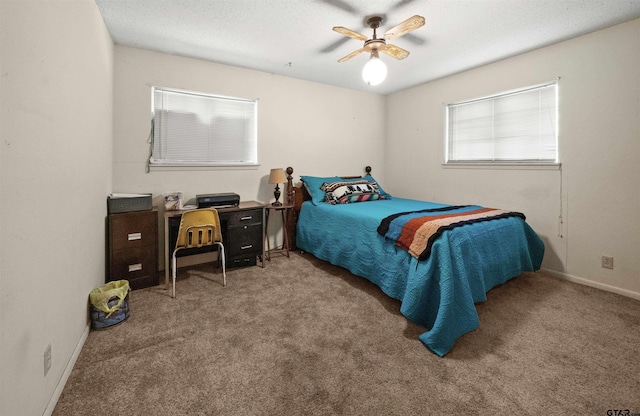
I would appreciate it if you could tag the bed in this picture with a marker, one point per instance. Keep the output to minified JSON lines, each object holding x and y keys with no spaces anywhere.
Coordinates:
{"x":437,"y":289}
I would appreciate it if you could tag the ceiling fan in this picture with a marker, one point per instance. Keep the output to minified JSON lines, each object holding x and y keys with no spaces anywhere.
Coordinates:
{"x":375,"y":71}
{"x":380,"y":44}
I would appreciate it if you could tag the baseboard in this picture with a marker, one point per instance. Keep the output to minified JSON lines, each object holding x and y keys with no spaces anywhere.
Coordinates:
{"x":597,"y":285}
{"x":66,"y":373}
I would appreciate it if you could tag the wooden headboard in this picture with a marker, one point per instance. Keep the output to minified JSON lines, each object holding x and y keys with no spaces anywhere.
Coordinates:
{"x":296,"y":195}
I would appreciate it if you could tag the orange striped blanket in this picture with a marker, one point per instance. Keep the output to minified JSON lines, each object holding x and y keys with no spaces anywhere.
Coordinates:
{"x":416,"y":231}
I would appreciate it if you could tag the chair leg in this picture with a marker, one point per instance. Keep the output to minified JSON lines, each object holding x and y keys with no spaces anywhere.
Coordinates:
{"x":173,"y":274}
{"x":224,"y":271}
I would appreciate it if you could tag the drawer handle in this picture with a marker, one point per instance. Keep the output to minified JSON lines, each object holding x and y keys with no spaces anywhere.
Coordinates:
{"x":246,"y":247}
{"x":134,"y":236}
{"x":245,"y":218}
{"x":135,"y":267}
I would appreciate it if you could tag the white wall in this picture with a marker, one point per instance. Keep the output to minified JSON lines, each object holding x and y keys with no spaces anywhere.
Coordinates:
{"x":317,"y":129}
{"x":62,"y":87}
{"x":56,"y":143}
{"x":598,"y":188}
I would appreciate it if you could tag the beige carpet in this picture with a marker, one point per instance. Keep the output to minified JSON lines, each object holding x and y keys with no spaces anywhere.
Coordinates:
{"x":302,"y":337}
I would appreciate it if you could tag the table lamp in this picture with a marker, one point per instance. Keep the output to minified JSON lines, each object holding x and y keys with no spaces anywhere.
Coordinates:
{"x":277,"y":176}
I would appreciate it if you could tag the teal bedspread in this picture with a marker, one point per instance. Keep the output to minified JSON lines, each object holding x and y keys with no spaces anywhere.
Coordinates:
{"x":439,"y":292}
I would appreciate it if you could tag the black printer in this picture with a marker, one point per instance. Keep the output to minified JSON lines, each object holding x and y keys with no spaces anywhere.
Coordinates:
{"x":218,"y":200}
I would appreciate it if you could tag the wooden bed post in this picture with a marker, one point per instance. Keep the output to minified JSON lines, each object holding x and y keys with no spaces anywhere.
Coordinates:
{"x":291,"y":199}
{"x":290,"y":190}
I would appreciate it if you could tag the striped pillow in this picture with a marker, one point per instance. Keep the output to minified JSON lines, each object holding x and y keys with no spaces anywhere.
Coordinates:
{"x":351,"y":191}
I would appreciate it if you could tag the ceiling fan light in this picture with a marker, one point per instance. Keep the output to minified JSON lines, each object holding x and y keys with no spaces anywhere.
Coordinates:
{"x":374,"y":71}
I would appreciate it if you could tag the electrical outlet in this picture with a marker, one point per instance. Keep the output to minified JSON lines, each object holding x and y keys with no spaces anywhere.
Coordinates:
{"x":606,"y":262}
{"x":47,"y":359}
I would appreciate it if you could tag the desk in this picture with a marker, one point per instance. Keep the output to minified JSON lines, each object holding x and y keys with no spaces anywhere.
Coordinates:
{"x":242,"y":235}
{"x":285,"y":210}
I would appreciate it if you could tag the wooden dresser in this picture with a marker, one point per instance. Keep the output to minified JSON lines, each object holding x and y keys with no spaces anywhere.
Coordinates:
{"x":133,"y":248}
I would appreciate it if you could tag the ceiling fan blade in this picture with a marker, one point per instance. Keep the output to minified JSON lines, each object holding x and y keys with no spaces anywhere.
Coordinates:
{"x":401,"y":3}
{"x":350,"y":33}
{"x":412,"y":23}
{"x":341,"y":5}
{"x":395,"y":51}
{"x":334,"y":45}
{"x":351,"y":55}
{"x":415,"y":39}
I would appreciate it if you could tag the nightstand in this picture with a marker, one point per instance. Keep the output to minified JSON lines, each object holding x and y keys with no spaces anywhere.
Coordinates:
{"x":285,"y":210}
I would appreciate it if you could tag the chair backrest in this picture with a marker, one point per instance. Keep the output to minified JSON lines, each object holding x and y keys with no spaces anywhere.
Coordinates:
{"x":198,"y":228}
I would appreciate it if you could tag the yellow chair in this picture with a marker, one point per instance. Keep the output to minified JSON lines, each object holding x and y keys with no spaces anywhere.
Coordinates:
{"x":198,"y":228}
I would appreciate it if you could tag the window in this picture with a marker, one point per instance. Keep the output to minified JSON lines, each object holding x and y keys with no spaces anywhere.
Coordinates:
{"x":191,"y":128}
{"x":518,"y":126}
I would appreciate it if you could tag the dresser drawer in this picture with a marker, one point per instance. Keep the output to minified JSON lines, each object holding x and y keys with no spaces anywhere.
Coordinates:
{"x":131,"y":230}
{"x":242,"y":218}
{"x":245,"y":239}
{"x":242,"y":261}
{"x":137,"y":265}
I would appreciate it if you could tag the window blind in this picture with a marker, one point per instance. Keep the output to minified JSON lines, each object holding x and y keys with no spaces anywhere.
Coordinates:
{"x":517,"y":126}
{"x":201,"y":129}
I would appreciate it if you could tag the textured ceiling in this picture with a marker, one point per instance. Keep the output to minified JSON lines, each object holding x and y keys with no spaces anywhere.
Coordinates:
{"x":295,"y":38}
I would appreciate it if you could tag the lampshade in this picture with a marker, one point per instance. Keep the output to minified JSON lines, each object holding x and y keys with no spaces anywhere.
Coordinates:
{"x":277,"y":176}
{"x":374,"y":71}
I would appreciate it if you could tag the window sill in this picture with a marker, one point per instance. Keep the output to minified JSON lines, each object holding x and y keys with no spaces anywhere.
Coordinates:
{"x":159,"y":167}
{"x":502,"y":165}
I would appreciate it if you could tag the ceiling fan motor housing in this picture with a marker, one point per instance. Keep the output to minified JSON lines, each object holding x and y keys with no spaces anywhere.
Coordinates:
{"x":374,"y":43}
